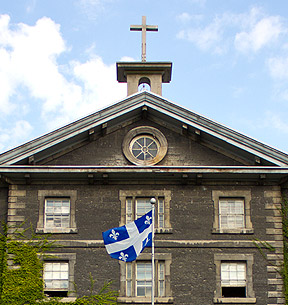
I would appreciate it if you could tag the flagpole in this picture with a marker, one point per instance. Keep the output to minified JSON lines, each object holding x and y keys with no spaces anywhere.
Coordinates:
{"x":153,"y":201}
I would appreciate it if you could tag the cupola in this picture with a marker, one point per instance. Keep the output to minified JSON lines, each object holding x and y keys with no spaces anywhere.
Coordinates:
{"x":147,"y":74}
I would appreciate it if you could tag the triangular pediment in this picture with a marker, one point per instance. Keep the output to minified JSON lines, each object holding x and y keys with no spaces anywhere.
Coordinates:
{"x":149,"y":106}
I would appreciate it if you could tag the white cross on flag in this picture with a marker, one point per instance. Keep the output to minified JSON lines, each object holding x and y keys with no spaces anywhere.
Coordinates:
{"x":127,"y":242}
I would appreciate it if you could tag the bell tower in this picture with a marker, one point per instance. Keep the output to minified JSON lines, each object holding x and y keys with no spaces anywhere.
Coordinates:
{"x":153,"y":74}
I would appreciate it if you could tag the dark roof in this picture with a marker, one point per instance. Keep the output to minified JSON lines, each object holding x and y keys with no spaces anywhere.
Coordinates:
{"x":157,"y":108}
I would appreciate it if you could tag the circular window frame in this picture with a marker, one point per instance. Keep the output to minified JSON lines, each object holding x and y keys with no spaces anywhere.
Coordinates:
{"x":150,"y":132}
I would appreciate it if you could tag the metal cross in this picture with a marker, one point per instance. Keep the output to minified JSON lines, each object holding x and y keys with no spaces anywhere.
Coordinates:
{"x":143,"y":27}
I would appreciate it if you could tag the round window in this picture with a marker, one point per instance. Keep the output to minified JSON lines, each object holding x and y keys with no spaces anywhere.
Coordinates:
{"x":144,"y":146}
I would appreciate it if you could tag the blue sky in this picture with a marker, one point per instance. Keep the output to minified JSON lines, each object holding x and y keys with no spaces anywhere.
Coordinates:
{"x":57,"y":61}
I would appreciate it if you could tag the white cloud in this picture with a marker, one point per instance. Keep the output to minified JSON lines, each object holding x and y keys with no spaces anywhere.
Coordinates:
{"x":250,"y":31}
{"x":91,"y":8}
{"x":127,"y":58}
{"x":91,"y":2}
{"x":278,"y":67}
{"x":214,"y":35}
{"x":9,"y":137}
{"x":275,"y":121}
{"x":31,"y":77}
{"x":100,"y":86}
{"x":31,"y":6}
{"x":198,"y":2}
{"x":184,"y":17}
{"x":204,"y":38}
{"x":262,"y":33}
{"x":28,"y":58}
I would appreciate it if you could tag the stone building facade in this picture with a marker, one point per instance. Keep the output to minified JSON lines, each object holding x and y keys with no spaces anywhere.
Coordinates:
{"x":216,"y":192}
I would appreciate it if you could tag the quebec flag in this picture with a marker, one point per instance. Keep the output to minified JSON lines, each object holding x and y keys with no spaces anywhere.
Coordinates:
{"x":127,"y":242}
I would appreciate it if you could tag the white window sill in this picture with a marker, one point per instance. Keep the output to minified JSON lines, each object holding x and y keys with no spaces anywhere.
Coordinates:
{"x":233,"y":231}
{"x":234,"y":300}
{"x":163,"y":230}
{"x":145,"y":300}
{"x":67,"y":299}
{"x":56,"y":230}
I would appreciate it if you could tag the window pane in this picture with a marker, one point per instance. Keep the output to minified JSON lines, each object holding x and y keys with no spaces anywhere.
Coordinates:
{"x":48,"y":275}
{"x":143,"y":206}
{"x":231,"y":213}
{"x":129,"y":217}
{"x":161,"y":271}
{"x":161,"y":212}
{"x":56,"y":275}
{"x":48,"y":267}
{"x":129,"y":288}
{"x":149,"y":289}
{"x":233,"y":274}
{"x":49,"y":203}
{"x":143,"y":279}
{"x":129,"y":279}
{"x":66,"y":203}
{"x":57,"y":213}
{"x":161,"y":289}
{"x":161,"y":278}
{"x":65,"y":210}
{"x":144,"y":147}
{"x":128,"y":271}
{"x":140,"y":291}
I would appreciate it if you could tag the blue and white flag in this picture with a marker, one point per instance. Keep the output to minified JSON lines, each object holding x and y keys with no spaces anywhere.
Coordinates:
{"x":127,"y":242}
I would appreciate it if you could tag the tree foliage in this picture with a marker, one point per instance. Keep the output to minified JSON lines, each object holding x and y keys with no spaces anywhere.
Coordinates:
{"x":21,"y":280}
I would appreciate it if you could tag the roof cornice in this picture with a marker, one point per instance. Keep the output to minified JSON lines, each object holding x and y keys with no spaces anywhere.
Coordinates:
{"x":160,"y":105}
{"x":159,"y":169}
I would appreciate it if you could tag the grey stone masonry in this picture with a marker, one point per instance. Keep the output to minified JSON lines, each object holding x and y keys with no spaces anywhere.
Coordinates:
{"x":16,"y":204}
{"x":275,"y":233}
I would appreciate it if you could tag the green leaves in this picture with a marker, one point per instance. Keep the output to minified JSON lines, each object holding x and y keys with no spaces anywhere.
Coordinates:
{"x":21,"y":270}
{"x":22,"y":280}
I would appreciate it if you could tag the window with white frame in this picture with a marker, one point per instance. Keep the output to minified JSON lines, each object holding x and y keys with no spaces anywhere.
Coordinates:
{"x":134,"y":204}
{"x":57,"y":211}
{"x":232,"y":211}
{"x":234,"y":281}
{"x":143,"y":279}
{"x":58,"y":275}
{"x":142,"y":206}
{"x":56,"y":278}
{"x":137,"y":286}
{"x":144,"y":145}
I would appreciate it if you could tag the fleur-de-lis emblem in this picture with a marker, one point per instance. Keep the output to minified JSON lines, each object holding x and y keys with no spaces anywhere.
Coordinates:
{"x":147,"y":221}
{"x":114,"y":234}
{"x":123,"y":256}
{"x":146,"y":241}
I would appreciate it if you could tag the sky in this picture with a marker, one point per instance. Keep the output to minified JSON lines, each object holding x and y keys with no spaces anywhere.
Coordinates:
{"x":58,"y":61}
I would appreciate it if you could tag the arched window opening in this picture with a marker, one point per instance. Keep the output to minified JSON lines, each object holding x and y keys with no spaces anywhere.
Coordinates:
{"x":144,"y":84}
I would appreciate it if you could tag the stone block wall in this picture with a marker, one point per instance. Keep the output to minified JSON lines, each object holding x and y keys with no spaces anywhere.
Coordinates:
{"x":191,"y":241}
